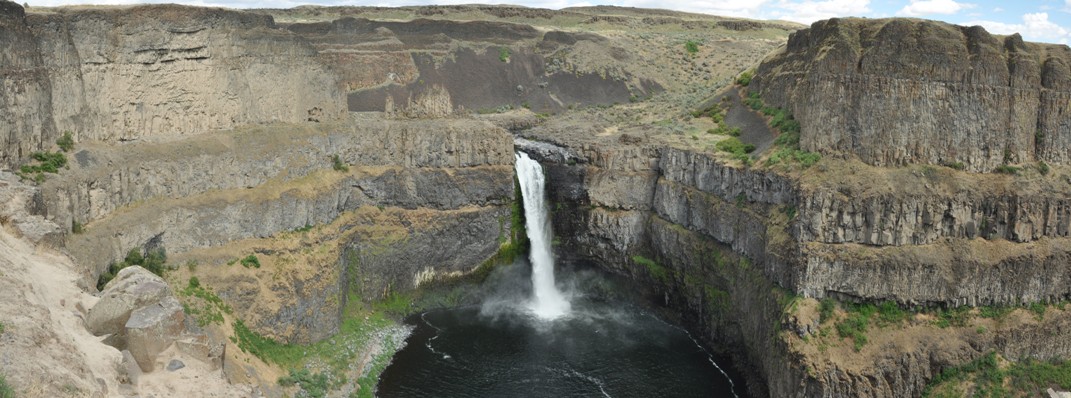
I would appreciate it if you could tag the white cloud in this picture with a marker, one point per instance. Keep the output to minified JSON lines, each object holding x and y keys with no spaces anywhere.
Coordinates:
{"x":808,"y":11}
{"x":1035,"y":27}
{"x":930,"y":7}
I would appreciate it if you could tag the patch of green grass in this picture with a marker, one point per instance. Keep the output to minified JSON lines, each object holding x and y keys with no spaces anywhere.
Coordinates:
{"x":856,"y":324}
{"x":208,"y":308}
{"x":955,"y":165}
{"x":1038,"y":309}
{"x":724,"y":129}
{"x":1006,"y":169}
{"x":717,"y":299}
{"x":314,"y":385}
{"x":395,"y":304}
{"x":890,"y":313}
{"x":738,"y":149}
{"x":654,"y":269}
{"x":994,"y":312}
{"x":6,"y":391}
{"x":359,"y":327}
{"x":250,"y":261}
{"x":825,"y":309}
{"x":985,"y":378}
{"x":805,"y":159}
{"x":957,"y":317}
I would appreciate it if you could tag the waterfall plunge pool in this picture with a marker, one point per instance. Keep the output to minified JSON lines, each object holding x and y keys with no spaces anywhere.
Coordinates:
{"x":602,"y":348}
{"x":531,"y":338}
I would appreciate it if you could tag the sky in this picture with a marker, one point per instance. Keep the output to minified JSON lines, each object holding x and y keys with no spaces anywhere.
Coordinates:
{"x":1037,"y":20}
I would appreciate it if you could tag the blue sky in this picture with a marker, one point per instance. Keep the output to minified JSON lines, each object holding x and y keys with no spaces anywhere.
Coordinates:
{"x":1037,"y":20}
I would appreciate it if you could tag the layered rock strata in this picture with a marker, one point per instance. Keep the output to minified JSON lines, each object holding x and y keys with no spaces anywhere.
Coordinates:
{"x":152,"y":72}
{"x":906,"y":91}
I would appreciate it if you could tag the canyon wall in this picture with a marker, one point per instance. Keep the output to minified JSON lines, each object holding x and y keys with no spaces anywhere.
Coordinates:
{"x":732,"y":252}
{"x":153,"y":72}
{"x":905,"y":91}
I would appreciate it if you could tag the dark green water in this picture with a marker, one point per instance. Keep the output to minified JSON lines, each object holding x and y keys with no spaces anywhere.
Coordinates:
{"x":601,"y":349}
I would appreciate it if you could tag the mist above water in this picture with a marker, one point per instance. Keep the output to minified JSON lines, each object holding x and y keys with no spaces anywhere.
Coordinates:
{"x":547,"y":302}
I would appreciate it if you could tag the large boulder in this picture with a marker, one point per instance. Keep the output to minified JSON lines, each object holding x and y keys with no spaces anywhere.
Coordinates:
{"x":133,"y":288}
{"x":152,"y":329}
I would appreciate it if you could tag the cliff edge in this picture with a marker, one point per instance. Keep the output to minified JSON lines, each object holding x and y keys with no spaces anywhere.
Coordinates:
{"x":903,"y":91}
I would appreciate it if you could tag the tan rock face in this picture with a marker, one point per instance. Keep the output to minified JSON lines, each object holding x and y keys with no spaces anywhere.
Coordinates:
{"x":132,"y":289}
{"x":152,"y":329}
{"x":153,"y":72}
{"x":898,"y":91}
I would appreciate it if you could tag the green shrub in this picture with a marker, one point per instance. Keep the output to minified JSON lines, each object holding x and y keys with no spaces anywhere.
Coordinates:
{"x":854,"y":327}
{"x":691,"y":46}
{"x":994,"y":312}
{"x":753,"y":101}
{"x":66,"y":142}
{"x":953,"y":317}
{"x":1,"y":328}
{"x":889,"y":313}
{"x":41,"y":163}
{"x":1043,"y":168}
{"x":155,"y":262}
{"x":338,"y":164}
{"x":956,"y":165}
{"x":315,"y":385}
{"x":735,"y":146}
{"x":717,"y":115}
{"x":1006,"y":169}
{"x":745,"y":78}
{"x":76,"y":227}
{"x":825,"y":309}
{"x":1038,"y":309}
{"x":503,"y":54}
{"x":251,"y":261}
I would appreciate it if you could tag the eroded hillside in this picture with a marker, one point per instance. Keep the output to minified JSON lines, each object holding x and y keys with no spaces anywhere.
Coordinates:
{"x":296,"y":175}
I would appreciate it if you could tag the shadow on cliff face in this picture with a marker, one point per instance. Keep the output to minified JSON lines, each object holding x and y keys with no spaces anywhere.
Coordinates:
{"x":483,"y":81}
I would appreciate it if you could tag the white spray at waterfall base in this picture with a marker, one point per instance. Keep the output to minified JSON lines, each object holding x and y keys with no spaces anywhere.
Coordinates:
{"x":547,"y":302}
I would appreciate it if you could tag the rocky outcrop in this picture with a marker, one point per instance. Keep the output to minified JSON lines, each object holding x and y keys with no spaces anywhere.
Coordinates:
{"x":151,"y":72}
{"x":902,"y":91}
{"x":143,"y":319}
{"x":394,"y":163}
{"x":133,"y":288}
{"x":152,"y":329}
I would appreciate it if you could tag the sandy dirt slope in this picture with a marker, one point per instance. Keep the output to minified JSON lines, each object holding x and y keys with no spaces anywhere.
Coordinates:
{"x":45,"y":349}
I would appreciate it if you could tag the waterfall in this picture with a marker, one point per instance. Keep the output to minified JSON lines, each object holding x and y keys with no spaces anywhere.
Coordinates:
{"x":547,"y":301}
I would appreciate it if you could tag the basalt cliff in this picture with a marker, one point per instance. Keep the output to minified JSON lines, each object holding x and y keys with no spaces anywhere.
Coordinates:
{"x":857,"y":212}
